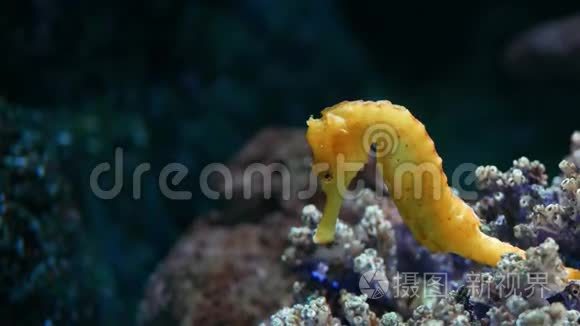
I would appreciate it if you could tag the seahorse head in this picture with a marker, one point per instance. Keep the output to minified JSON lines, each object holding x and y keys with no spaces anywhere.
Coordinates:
{"x":337,"y":157}
{"x":336,"y":149}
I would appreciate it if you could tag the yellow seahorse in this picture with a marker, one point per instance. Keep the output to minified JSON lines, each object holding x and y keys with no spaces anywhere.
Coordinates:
{"x":412,"y":170}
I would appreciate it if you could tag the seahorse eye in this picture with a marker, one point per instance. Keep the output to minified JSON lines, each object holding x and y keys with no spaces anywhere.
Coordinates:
{"x":327,"y":176}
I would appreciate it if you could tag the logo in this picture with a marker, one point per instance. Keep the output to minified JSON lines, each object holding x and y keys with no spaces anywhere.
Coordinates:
{"x":374,"y":284}
{"x":383,"y":138}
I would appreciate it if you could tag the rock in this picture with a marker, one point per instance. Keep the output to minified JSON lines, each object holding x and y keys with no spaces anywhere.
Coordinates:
{"x":272,"y":153}
{"x":547,"y":51}
{"x":220,"y":275}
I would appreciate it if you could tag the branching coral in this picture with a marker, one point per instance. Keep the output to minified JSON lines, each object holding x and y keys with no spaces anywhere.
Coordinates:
{"x":517,"y":290}
{"x":519,"y":206}
{"x":315,"y":312}
{"x":332,"y":267}
{"x":536,"y":278}
{"x":523,"y":288}
{"x":517,"y":311}
{"x":446,"y":311}
{"x":506,"y":295}
{"x":370,"y":246}
{"x":342,"y":140}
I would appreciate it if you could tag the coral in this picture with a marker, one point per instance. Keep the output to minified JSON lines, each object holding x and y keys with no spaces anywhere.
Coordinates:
{"x":391,"y":319}
{"x":554,"y":314}
{"x":519,"y":206}
{"x":379,"y":230}
{"x":40,"y":229}
{"x":507,"y":197}
{"x":517,"y":311}
{"x":347,"y":254}
{"x":369,"y":262}
{"x":315,"y":312}
{"x":570,"y":297}
{"x":356,"y":310}
{"x":375,"y":245}
{"x":506,"y":314}
{"x":339,"y":265}
{"x":536,"y":278}
{"x":523,"y":304}
{"x":446,"y":311}
{"x":534,"y":290}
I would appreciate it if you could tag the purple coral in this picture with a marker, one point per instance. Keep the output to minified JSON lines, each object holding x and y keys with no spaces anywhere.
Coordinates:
{"x":518,"y":205}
